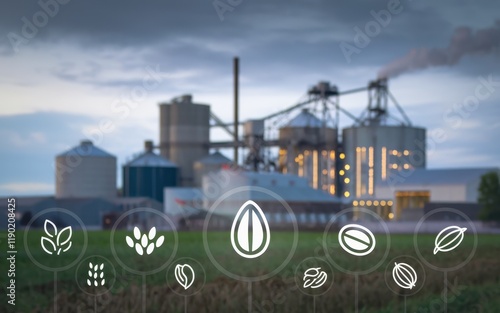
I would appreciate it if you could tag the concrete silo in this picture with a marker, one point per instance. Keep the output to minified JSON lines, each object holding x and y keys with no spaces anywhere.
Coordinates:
{"x":307,"y":149}
{"x":184,"y":134}
{"x":148,"y":174}
{"x":85,"y":171}
{"x":380,"y":149}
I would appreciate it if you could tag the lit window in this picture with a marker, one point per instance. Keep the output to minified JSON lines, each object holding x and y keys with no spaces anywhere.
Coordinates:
{"x":347,"y":167}
{"x":395,"y":166}
{"x":361,"y":202}
{"x":369,"y":202}
{"x":347,"y":180}
{"x":347,"y":194}
{"x":406,"y":152}
{"x":389,"y":203}
{"x":342,"y":156}
{"x":325,"y":172}
{"x":382,"y":203}
{"x":375,"y":202}
{"x":355,"y":203}
{"x":394,"y":152}
{"x":332,"y":189}
{"x":341,"y":172}
{"x":391,"y":215}
{"x":406,"y":166}
{"x":323,"y":153}
{"x":358,"y":149}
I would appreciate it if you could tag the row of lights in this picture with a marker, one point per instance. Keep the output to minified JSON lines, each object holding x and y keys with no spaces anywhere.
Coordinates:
{"x":395,"y":166}
{"x":369,"y":202}
{"x":396,"y":153}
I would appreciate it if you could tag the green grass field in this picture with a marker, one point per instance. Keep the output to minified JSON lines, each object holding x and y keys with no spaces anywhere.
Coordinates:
{"x":473,"y":287}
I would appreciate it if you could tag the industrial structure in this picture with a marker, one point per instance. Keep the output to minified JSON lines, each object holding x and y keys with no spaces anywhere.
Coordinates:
{"x":300,"y":153}
{"x":85,"y":171}
{"x":184,"y":134}
{"x":148,"y":174}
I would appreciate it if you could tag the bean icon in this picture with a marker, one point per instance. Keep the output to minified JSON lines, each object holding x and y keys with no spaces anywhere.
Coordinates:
{"x":356,"y":239}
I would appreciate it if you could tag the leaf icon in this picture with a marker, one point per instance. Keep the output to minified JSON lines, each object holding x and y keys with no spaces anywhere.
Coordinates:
{"x":103,"y":281}
{"x":90,"y":265}
{"x":89,"y":283}
{"x":102,"y":266}
{"x":50,"y":228}
{"x":47,"y":245}
{"x":64,"y":236}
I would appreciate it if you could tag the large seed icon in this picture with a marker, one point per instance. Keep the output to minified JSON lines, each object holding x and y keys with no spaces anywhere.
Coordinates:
{"x":404,"y":275}
{"x":448,"y":239}
{"x":250,"y":233}
{"x":356,"y":239}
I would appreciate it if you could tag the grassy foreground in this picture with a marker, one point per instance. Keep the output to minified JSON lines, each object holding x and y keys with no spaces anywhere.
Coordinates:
{"x":473,"y":287}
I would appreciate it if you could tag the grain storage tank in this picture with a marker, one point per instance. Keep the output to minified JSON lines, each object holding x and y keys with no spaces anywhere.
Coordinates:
{"x":378,"y":152}
{"x":85,"y":171}
{"x":148,"y":174}
{"x":184,"y":134}
{"x":210,"y":164}
{"x":307,"y":149}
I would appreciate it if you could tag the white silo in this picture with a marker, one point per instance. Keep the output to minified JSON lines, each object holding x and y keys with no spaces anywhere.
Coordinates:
{"x":85,"y":171}
{"x":379,"y":150}
{"x":307,"y":149}
{"x":184,"y":135}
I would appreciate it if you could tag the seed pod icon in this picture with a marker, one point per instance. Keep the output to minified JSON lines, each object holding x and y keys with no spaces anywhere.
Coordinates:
{"x":449,"y":238}
{"x":404,"y":275}
{"x":250,"y":235}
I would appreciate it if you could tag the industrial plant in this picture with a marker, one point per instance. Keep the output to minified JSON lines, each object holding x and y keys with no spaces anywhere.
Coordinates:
{"x":299,"y":153}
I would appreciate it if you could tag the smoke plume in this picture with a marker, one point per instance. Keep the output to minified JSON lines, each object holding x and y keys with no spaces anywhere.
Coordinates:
{"x":463,"y":42}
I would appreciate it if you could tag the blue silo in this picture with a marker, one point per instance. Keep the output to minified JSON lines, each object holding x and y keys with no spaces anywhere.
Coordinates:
{"x":147,"y":174}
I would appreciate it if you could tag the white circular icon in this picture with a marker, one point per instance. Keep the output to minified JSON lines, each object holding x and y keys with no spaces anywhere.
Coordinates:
{"x":356,"y":240}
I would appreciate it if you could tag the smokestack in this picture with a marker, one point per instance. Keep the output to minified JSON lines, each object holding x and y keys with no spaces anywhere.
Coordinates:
{"x":236,"y":119}
{"x":463,"y":42}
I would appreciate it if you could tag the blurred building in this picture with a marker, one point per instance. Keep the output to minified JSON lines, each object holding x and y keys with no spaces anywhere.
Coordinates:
{"x":184,"y":135}
{"x":148,"y":174}
{"x":423,"y":189}
{"x":85,"y":171}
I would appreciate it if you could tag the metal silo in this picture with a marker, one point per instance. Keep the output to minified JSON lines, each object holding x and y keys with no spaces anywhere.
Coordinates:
{"x":210,"y":164}
{"x":380,"y":148}
{"x":307,"y":149}
{"x":148,"y":174}
{"x":85,"y":171}
{"x":184,"y":134}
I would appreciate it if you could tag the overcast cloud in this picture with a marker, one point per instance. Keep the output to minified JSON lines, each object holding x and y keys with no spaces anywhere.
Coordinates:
{"x":58,"y":82}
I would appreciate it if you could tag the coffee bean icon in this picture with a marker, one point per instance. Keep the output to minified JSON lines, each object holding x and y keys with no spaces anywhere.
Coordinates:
{"x":356,"y":239}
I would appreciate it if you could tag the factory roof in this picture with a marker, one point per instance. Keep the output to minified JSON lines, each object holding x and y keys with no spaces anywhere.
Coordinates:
{"x":215,"y":158}
{"x":86,"y":149}
{"x":304,"y":119}
{"x":150,"y":159}
{"x":444,"y":176}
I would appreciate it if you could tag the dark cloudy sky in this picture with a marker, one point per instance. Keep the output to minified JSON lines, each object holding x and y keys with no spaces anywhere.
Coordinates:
{"x":61,"y":78}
